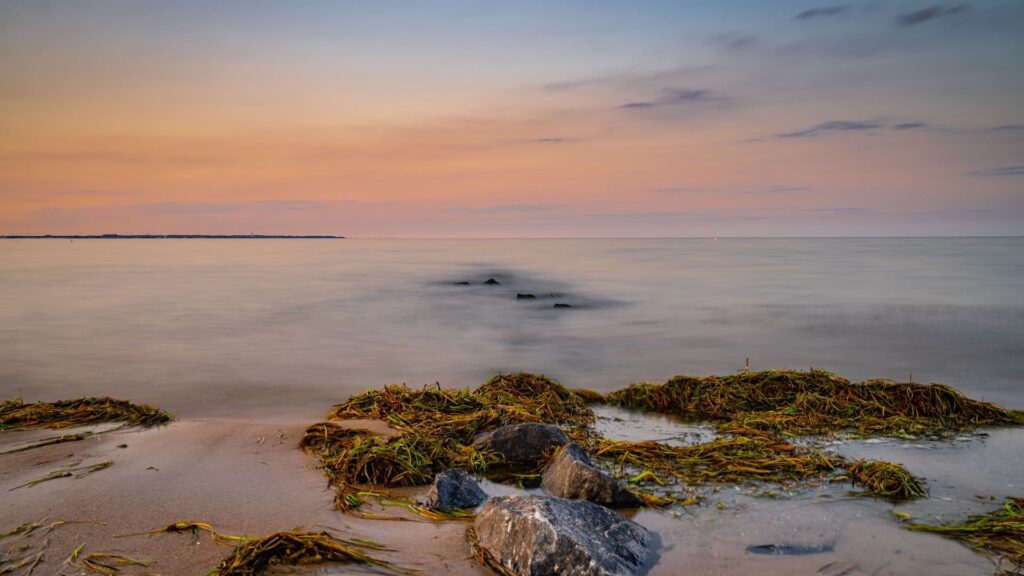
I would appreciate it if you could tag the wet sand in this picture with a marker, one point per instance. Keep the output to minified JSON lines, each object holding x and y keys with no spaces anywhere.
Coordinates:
{"x":246,"y":478}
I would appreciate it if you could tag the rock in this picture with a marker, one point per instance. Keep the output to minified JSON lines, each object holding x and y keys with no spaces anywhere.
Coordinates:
{"x":454,"y":489}
{"x":463,"y":283}
{"x":535,"y":535}
{"x":522,"y":443}
{"x":491,"y":282}
{"x":573,"y":475}
{"x":562,"y":306}
{"x":525,"y":297}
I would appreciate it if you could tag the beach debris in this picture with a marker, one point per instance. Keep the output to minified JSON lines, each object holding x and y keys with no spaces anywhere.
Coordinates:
{"x":817,"y":402}
{"x":571,"y":474}
{"x":296,"y":547}
{"x":80,"y":412}
{"x":51,"y":441}
{"x":453,"y":489}
{"x":194,"y":528}
{"x":103,"y":563}
{"x":1000,"y":532}
{"x":69,"y":472}
{"x":529,"y":443}
{"x":789,"y":549}
{"x":526,"y":535}
{"x":884,"y":480}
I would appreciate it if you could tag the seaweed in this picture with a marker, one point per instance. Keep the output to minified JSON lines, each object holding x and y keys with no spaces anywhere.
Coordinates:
{"x":1000,"y":532}
{"x":69,"y":472}
{"x":884,"y":480}
{"x":817,"y":402}
{"x":15,"y":413}
{"x":299,"y":547}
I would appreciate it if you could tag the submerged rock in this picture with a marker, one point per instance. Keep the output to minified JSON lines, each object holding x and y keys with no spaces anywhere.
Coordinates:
{"x":573,"y":475}
{"x":522,"y":296}
{"x":789,"y":549}
{"x":522,"y":443}
{"x":491,"y":282}
{"x":454,"y":489}
{"x":535,"y":535}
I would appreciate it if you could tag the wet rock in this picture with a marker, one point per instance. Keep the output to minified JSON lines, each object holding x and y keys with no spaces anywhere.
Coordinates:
{"x":491,"y":282}
{"x":522,"y":443}
{"x":788,"y":549}
{"x":521,"y":296}
{"x":560,"y":305}
{"x":454,"y":489}
{"x":573,"y":475}
{"x":534,"y":535}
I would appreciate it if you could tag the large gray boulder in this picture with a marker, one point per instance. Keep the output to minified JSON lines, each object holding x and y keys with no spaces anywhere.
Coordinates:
{"x":454,"y":489}
{"x":573,"y":475}
{"x":525,"y":443}
{"x":540,"y":535}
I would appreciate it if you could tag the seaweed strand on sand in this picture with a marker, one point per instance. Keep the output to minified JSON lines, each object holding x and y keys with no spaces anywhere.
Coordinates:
{"x":1000,"y":532}
{"x":298,"y":547}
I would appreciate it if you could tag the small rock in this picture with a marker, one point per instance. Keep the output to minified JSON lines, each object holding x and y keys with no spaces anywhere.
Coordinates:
{"x":534,"y":535}
{"x":562,"y":306}
{"x":525,"y":297}
{"x":463,"y":283}
{"x":454,"y":489}
{"x":522,"y":443}
{"x":788,"y":549}
{"x":573,"y":475}
{"x":122,"y":445}
{"x":491,"y":282}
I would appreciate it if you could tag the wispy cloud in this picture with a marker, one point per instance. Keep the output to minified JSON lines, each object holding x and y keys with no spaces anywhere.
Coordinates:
{"x":831,"y":126}
{"x":1008,"y":128}
{"x":909,"y":126}
{"x":548,"y":140}
{"x":674,"y":97}
{"x":1000,"y":171}
{"x":822,"y":12}
{"x":927,"y":14}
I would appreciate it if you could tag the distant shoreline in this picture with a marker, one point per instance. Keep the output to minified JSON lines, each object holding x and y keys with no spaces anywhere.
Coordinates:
{"x":167,"y":236}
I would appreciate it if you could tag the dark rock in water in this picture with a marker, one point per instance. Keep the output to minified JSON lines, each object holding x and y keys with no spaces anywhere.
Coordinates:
{"x":454,"y":489}
{"x":535,"y":535}
{"x":525,"y":297}
{"x":573,"y":475}
{"x":522,"y":443}
{"x":491,"y":282}
{"x":788,"y":549}
{"x":463,"y":283}
{"x":562,"y":306}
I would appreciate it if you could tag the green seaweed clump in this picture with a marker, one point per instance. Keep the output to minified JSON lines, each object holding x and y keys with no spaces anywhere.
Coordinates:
{"x":882,"y":479}
{"x":296,"y":547}
{"x":999,"y":532}
{"x":80,"y":412}
{"x":817,"y":402}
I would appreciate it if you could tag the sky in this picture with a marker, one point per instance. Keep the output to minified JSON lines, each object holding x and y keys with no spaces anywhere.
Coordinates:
{"x":481,"y":118}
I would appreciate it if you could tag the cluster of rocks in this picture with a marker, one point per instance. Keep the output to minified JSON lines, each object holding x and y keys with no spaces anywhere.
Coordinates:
{"x":519,"y":295}
{"x":570,"y":531}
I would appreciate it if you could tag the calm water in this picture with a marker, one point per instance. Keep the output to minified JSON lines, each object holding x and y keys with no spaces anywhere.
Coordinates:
{"x":284,"y":328}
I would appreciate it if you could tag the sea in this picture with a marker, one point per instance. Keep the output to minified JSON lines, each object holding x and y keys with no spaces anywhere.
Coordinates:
{"x":284,"y":328}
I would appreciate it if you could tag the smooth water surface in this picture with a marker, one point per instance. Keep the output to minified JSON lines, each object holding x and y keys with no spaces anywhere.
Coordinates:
{"x":284,"y":328}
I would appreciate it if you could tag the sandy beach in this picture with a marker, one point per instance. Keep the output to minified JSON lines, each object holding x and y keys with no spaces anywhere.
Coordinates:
{"x":251,"y":479}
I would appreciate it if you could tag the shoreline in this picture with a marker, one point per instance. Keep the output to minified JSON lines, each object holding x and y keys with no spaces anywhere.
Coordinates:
{"x":251,"y":478}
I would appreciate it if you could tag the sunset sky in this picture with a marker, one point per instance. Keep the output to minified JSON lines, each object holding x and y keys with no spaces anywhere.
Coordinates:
{"x":482,"y":118}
